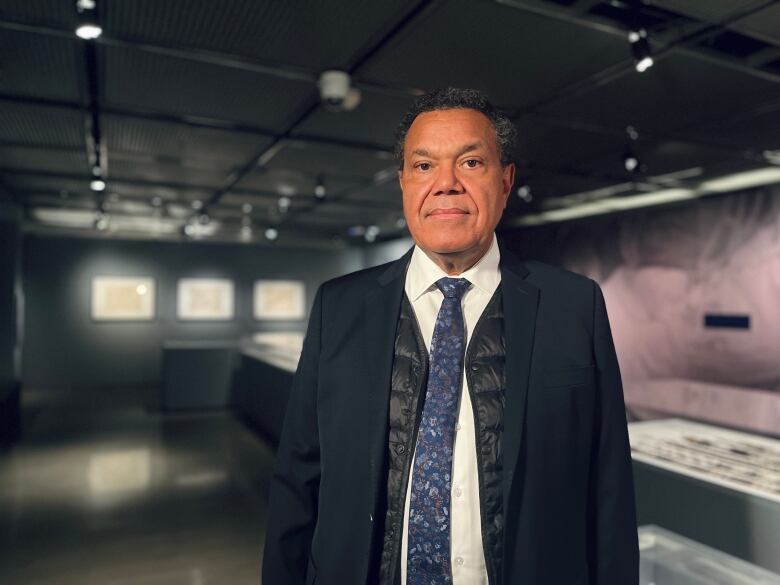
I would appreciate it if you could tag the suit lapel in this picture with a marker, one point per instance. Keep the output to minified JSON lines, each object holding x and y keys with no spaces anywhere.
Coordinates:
{"x":521,"y":300}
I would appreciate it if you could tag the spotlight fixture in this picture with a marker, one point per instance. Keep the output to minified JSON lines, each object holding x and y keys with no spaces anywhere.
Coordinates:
{"x":319,"y":189}
{"x":246,"y":232}
{"x":271,"y":234}
{"x":88,"y":28}
{"x":97,"y":185}
{"x":372,"y":232}
{"x":284,"y":203}
{"x":189,"y":229}
{"x":101,"y":221}
{"x":156,"y":201}
{"x":524,"y":193}
{"x":400,"y":223}
{"x":204,"y":219}
{"x":197,"y":204}
{"x":246,"y":208}
{"x":640,"y":49}
{"x":630,"y":159}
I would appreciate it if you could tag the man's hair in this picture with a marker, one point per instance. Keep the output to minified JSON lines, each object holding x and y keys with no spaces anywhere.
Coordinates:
{"x":451,"y":98}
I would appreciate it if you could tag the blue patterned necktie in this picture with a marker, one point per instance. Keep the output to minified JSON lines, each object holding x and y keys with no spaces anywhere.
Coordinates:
{"x":428,"y":557}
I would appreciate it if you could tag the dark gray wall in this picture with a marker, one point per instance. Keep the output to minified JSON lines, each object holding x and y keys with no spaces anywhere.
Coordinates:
{"x":10,"y":242}
{"x":64,"y":348}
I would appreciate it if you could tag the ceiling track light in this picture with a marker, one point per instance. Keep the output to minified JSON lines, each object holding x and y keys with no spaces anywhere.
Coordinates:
{"x":640,"y":49}
{"x":631,"y":161}
{"x":524,"y":193}
{"x":271,"y":234}
{"x":88,"y":27}
{"x":319,"y":189}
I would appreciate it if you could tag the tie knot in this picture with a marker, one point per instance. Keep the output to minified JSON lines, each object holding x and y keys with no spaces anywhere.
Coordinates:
{"x":453,"y":288}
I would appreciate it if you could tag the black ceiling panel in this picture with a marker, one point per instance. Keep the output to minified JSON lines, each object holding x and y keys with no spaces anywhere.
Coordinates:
{"x":194,"y":175}
{"x":516,"y":57}
{"x":679,"y":92}
{"x":764,"y":25}
{"x":31,"y":182}
{"x":308,"y":34}
{"x":54,"y":13}
{"x":709,"y":11}
{"x":41,"y":66}
{"x":339,"y":162}
{"x":132,"y":135}
{"x":750,"y":132}
{"x":284,"y":181}
{"x":386,"y":194}
{"x":42,"y":125}
{"x":182,"y":87}
{"x":551,"y":143}
{"x":374,"y":121}
{"x":45,"y":160}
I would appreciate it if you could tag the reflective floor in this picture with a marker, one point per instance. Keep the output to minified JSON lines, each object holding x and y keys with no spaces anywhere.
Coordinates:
{"x":103,"y":491}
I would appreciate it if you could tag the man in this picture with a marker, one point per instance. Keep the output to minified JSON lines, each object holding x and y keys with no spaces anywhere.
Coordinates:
{"x":457,"y":415}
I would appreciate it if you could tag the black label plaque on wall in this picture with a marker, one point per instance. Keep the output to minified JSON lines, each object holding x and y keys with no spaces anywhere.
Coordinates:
{"x":727,"y":321}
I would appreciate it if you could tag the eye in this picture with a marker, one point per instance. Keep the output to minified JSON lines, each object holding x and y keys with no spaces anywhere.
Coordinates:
{"x":423,"y":166}
{"x":472,"y":163}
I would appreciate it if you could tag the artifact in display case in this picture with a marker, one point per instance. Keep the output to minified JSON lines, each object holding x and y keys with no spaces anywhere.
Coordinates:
{"x":205,"y":299}
{"x":669,"y":559}
{"x":733,"y":459}
{"x":279,"y":299}
{"x":123,"y":298}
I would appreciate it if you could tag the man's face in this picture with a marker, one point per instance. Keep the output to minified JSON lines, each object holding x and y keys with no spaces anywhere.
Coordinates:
{"x":454,"y":187}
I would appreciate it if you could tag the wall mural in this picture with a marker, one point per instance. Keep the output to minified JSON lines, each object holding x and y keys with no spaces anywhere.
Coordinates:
{"x":693,"y":295}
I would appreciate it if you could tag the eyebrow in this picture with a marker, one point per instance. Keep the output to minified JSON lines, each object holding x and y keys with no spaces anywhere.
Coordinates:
{"x":466,"y":148}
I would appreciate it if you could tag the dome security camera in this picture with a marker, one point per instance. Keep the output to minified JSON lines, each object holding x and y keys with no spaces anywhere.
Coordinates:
{"x":336,"y":92}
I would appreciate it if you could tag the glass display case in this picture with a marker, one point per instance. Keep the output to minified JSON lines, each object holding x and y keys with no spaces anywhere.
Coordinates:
{"x":670,"y":559}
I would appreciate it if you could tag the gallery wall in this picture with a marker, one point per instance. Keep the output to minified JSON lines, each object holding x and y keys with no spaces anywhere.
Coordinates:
{"x":10,"y":251}
{"x":692,"y":294}
{"x":65,"y":349}
{"x":10,"y":298}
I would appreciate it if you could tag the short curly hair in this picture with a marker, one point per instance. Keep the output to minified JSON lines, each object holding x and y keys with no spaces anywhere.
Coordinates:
{"x":450,"y":98}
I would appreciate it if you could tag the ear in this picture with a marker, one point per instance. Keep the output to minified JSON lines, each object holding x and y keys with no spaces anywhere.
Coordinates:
{"x":507,"y":181}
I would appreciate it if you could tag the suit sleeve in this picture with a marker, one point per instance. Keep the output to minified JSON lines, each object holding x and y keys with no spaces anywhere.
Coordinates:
{"x":294,"y":488}
{"x":613,"y":511}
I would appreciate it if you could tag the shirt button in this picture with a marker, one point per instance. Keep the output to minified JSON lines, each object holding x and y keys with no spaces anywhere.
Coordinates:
{"x":457,"y":426}
{"x":459,"y":561}
{"x":458,"y":492}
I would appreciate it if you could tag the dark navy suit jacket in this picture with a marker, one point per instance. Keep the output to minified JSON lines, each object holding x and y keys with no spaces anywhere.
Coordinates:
{"x":568,"y":488}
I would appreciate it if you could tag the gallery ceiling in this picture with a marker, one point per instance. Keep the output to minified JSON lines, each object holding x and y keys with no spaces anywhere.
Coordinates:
{"x":205,"y":120}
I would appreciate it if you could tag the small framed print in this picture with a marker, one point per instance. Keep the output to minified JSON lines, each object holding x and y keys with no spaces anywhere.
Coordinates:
{"x":205,"y":299}
{"x":123,"y":298}
{"x":279,"y":300}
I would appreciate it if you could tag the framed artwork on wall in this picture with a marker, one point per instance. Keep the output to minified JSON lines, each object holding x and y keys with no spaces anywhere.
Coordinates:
{"x":123,"y":298}
{"x":279,"y":299}
{"x":205,"y":299}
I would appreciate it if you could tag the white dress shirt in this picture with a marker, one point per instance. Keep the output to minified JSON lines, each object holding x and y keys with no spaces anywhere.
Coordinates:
{"x":466,"y":552}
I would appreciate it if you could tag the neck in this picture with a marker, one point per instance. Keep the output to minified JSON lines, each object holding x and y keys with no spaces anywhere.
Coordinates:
{"x":455,"y":263}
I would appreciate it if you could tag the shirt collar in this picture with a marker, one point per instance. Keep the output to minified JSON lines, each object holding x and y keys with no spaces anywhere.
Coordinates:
{"x":423,"y":272}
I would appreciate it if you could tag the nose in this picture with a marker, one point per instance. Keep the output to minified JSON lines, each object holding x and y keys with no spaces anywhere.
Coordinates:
{"x":447,"y":182}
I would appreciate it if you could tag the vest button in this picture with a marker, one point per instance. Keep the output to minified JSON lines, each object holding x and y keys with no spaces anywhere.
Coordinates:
{"x":474,"y":367}
{"x":401,"y":449}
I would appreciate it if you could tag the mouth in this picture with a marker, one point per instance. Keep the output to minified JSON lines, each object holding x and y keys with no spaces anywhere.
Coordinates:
{"x":448,"y":213}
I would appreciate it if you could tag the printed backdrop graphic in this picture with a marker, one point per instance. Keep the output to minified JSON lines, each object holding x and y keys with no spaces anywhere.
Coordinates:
{"x":662,"y":272}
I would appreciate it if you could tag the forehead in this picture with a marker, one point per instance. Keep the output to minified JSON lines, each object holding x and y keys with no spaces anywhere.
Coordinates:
{"x":431,"y":129}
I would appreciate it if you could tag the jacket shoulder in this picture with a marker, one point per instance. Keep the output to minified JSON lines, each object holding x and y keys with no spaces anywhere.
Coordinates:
{"x":542,"y":274}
